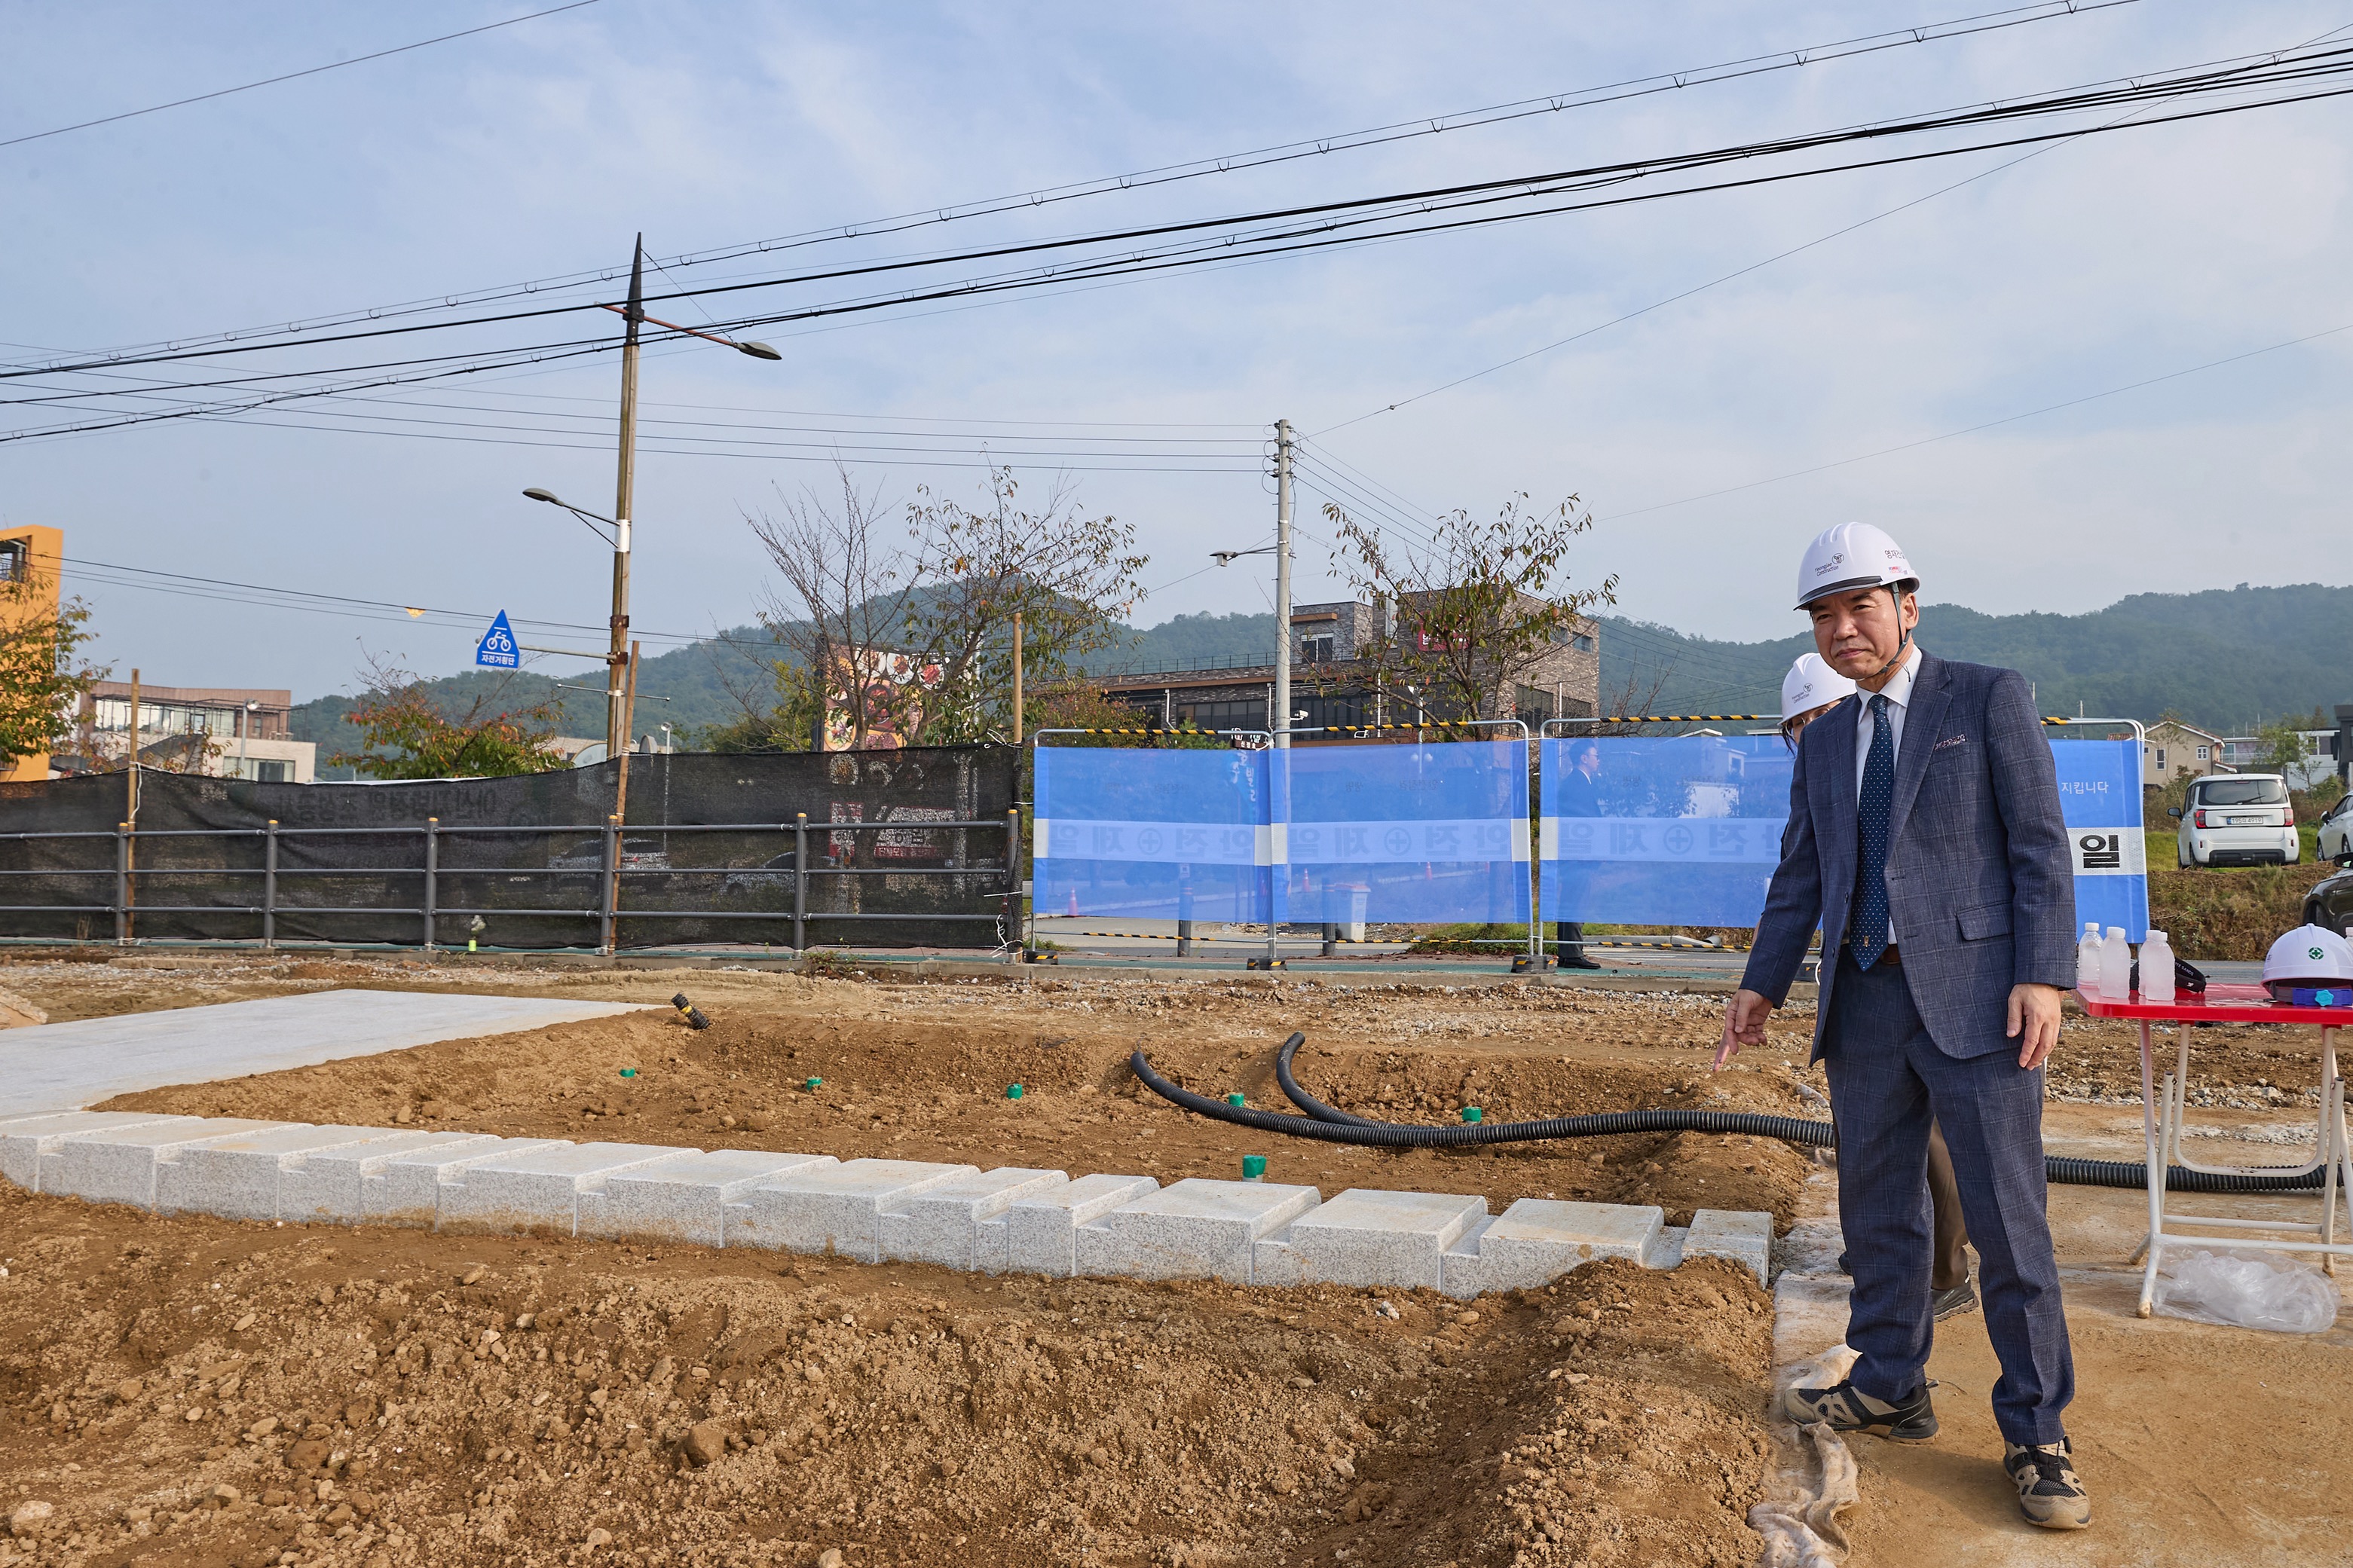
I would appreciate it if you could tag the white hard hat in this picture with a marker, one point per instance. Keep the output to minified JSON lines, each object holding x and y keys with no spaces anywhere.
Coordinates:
{"x":2309,"y":953}
{"x":1851,"y":556}
{"x":1810,"y":684}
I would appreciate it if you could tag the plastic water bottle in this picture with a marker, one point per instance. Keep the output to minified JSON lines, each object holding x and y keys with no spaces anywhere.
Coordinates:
{"x":2116,"y":966}
{"x":2088,"y":959}
{"x":2157,"y":968}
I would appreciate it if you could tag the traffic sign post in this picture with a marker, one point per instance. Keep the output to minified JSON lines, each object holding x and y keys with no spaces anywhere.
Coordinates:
{"x":497,"y":648}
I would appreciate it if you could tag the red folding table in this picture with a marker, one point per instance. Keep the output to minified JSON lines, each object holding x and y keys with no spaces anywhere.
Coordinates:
{"x":2161,"y":1107}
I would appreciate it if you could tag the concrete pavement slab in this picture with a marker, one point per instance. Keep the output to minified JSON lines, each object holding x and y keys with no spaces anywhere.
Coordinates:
{"x":62,"y":1067}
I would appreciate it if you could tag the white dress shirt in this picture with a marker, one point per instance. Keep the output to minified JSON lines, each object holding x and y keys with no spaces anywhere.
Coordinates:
{"x":1898,"y":693}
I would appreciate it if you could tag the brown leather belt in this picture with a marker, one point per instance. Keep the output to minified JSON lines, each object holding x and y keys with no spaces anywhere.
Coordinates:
{"x":1892,"y":954}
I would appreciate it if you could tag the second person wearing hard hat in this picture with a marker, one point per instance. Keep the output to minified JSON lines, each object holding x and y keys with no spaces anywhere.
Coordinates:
{"x":1810,"y":690}
{"x":1926,"y":844}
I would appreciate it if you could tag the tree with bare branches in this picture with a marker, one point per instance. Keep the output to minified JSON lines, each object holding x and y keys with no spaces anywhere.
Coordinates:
{"x":1069,"y":576}
{"x":841,"y":611}
{"x":1466,"y":618}
{"x":897,"y":635}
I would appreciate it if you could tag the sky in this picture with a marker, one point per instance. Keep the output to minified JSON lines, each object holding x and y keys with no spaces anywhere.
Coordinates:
{"x":1748,"y":366}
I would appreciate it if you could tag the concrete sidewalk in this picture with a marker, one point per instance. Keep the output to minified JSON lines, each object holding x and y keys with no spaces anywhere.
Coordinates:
{"x":63,"y":1066}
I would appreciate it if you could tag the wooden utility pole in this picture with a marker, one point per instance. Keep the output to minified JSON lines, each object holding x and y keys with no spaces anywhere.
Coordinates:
{"x":629,"y":719}
{"x":628,"y":712}
{"x":1017,"y":677}
{"x":616,"y":722}
{"x":131,"y":817}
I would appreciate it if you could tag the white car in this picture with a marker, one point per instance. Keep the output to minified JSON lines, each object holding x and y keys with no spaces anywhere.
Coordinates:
{"x":2337,"y":830}
{"x":2237,"y":819}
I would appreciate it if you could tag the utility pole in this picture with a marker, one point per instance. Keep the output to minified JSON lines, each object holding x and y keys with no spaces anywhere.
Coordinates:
{"x":617,"y":656}
{"x":1282,"y":725}
{"x":1017,"y":677}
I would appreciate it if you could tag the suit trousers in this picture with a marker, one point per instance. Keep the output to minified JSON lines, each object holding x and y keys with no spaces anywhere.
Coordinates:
{"x":1889,"y":1081}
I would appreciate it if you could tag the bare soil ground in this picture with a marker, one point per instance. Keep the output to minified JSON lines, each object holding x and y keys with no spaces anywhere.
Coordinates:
{"x":200,"y":1392}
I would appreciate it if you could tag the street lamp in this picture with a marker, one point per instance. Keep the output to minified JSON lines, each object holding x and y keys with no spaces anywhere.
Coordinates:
{"x":617,"y":656}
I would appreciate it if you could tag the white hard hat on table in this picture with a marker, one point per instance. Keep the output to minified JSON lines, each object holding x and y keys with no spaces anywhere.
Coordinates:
{"x":2310,"y":953}
{"x":1810,"y":684}
{"x":1850,"y":556}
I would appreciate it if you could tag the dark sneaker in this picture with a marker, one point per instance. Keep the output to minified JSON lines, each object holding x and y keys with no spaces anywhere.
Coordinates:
{"x":1578,"y":961}
{"x":1848,"y":1409}
{"x":1961,"y":1298}
{"x":2050,"y":1492}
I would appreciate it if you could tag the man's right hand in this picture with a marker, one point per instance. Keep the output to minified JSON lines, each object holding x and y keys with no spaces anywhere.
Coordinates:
{"x":1744,"y":1024}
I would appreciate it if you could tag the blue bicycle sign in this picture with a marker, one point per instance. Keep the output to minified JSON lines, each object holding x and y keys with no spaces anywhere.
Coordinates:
{"x":497,"y":647}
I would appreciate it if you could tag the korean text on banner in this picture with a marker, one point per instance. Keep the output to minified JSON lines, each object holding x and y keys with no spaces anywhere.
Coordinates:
{"x":1677,"y":830}
{"x":1154,"y":835}
{"x":2099,"y":798}
{"x":1420,"y":833}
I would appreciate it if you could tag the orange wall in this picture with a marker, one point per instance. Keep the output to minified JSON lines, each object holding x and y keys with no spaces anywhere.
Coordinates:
{"x":46,"y":565}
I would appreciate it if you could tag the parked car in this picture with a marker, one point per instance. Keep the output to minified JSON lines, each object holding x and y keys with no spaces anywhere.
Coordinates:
{"x":2330,"y":904}
{"x":2237,"y":819}
{"x":2337,"y":829}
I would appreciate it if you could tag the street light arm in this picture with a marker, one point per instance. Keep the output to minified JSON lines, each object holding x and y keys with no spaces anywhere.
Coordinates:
{"x":742,"y":345}
{"x":586,"y":517}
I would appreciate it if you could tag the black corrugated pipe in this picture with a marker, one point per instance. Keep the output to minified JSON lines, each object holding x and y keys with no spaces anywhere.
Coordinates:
{"x":1330,"y":1124}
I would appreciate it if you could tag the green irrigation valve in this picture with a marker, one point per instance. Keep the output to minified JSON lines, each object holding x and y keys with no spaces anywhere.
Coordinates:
{"x":1013,"y":1091}
{"x":1472,"y":1113}
{"x":1253,"y":1167}
{"x":1236,"y":1099}
{"x":628,"y":1072}
{"x":813,"y":1084}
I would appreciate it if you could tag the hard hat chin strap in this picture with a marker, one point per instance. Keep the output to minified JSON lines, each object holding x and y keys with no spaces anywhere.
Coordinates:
{"x":1903,"y":633}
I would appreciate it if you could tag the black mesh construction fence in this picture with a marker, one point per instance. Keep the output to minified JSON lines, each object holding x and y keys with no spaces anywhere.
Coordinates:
{"x":902,"y":849}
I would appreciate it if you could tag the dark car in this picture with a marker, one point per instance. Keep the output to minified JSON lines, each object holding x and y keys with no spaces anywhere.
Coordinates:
{"x":2330,"y":902}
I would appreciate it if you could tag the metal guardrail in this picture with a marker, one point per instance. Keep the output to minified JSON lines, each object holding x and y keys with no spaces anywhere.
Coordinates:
{"x":608,"y":911}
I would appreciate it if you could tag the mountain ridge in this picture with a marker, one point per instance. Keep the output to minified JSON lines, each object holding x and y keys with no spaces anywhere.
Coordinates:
{"x":2220,"y":658}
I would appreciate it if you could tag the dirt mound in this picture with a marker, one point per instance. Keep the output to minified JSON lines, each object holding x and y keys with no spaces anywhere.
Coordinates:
{"x":193,"y":1391}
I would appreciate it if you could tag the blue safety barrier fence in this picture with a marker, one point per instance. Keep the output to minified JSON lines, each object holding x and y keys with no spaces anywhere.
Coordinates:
{"x":1154,"y":835}
{"x":1420,"y":834}
{"x":1678,"y":831}
{"x":1639,"y":831}
{"x":2099,"y":794}
{"x":1686,"y":831}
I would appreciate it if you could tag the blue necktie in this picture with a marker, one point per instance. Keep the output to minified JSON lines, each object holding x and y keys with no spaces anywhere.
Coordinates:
{"x":1867,"y":932}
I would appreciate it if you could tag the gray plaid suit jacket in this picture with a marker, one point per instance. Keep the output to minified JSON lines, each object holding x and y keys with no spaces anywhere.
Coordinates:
{"x":1980,"y":879}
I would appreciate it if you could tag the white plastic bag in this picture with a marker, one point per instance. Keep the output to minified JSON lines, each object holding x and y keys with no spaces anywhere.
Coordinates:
{"x":2246,"y":1291}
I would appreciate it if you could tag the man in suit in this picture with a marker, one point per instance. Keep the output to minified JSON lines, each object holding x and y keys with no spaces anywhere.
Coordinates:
{"x":1925,"y":842}
{"x":1581,"y":795}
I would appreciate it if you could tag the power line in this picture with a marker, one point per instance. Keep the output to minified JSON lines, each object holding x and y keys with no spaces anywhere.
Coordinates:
{"x":1736,"y":273}
{"x":2274,"y":68}
{"x":290,"y":76}
{"x":1319,"y":235}
{"x":1658,"y":82}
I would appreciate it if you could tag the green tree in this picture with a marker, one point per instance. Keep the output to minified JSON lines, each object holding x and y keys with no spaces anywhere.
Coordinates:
{"x":1476,"y":608}
{"x":407,"y":736}
{"x":43,"y":678}
{"x":2279,"y":748}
